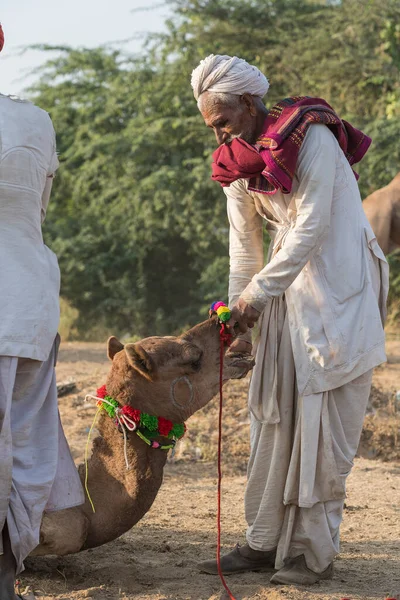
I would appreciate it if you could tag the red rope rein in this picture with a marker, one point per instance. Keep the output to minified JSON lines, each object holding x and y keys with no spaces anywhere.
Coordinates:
{"x":225,"y":338}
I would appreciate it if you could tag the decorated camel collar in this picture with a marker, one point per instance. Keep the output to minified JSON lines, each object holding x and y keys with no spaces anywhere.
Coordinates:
{"x":146,"y":426}
{"x":126,"y":418}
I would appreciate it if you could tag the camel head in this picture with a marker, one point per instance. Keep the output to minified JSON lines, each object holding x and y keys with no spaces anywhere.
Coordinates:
{"x":172,"y":377}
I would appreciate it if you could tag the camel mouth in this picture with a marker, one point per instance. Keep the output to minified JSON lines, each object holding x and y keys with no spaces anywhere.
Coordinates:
{"x":239,"y":363}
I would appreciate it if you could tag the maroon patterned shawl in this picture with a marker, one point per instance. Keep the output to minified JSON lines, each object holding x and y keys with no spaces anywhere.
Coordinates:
{"x":270,"y":166}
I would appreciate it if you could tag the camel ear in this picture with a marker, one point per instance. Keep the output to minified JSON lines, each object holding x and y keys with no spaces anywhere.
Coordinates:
{"x":113,"y":346}
{"x":140,"y":360}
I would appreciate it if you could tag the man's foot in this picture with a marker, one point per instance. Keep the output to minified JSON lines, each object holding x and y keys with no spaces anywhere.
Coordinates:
{"x":240,"y":560}
{"x":296,"y":571}
{"x":27,"y":594}
{"x":7,"y":569}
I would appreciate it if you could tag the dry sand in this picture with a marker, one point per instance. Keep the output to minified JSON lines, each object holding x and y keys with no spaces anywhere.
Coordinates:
{"x":157,"y":559}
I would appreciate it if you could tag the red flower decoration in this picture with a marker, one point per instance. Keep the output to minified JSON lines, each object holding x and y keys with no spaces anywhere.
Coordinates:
{"x":102,"y":392}
{"x":164,"y":426}
{"x":132,"y":413}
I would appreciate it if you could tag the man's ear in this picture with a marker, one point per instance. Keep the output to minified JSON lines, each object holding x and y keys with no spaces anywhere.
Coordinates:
{"x":140,"y":360}
{"x":248,"y":99}
{"x":113,"y":346}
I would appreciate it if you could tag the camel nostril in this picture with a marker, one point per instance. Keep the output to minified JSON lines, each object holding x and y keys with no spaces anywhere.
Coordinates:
{"x":243,"y":361}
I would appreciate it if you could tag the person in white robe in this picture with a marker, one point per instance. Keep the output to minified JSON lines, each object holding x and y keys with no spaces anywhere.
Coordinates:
{"x":319,"y":300}
{"x":37,"y":472}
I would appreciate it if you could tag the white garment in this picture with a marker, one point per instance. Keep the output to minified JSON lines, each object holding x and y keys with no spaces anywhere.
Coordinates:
{"x":324,"y":255}
{"x":29,"y":274}
{"x":299,"y":465}
{"x":228,"y":74}
{"x":36,"y":468}
{"x":323,"y":295}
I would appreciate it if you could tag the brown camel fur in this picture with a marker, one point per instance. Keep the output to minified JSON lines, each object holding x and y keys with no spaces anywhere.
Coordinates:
{"x":383,"y":212}
{"x":172,"y":377}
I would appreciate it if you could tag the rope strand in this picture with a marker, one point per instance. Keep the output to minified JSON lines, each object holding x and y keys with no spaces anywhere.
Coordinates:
{"x":123,"y":421}
{"x":225,"y":337}
{"x":86,"y":457}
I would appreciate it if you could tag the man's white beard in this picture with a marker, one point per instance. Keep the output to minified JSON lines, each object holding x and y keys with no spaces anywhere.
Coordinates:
{"x":245,"y":135}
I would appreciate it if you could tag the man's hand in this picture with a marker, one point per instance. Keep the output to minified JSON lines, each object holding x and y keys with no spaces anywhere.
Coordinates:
{"x":241,"y":346}
{"x":243,"y":315}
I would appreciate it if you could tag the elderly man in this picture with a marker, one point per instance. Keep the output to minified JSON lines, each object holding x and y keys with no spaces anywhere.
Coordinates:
{"x":36,"y":468}
{"x":320,"y":302}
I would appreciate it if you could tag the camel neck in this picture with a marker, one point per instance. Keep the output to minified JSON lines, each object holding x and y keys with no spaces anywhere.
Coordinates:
{"x":121,"y":496}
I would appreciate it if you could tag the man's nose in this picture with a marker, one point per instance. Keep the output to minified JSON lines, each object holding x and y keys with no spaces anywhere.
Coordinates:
{"x":221,"y":136}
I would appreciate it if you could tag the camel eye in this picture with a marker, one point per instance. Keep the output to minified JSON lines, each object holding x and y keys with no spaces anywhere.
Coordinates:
{"x":192,"y":357}
{"x":196,"y":364}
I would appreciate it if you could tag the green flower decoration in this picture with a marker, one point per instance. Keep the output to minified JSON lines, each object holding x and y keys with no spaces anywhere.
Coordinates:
{"x":149,"y":421}
{"x":225,"y":316}
{"x":110,"y":409}
{"x":177,"y":431}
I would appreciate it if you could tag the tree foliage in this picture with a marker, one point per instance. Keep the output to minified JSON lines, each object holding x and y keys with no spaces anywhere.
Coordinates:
{"x":139,"y":228}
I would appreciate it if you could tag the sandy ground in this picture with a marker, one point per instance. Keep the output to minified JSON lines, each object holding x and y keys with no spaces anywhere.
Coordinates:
{"x":157,"y":559}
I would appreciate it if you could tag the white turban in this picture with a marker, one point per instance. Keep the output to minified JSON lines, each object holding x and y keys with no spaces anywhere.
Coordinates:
{"x":228,"y":74}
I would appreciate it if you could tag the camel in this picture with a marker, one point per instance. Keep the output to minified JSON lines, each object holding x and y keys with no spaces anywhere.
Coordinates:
{"x":383,"y":212}
{"x":170,"y":377}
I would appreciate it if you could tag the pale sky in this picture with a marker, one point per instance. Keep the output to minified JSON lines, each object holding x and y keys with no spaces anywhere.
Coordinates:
{"x":69,"y":22}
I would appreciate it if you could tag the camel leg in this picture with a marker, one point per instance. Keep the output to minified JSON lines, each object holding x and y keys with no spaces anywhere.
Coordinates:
{"x":395,"y":227}
{"x":8,"y":569}
{"x":62,"y":532}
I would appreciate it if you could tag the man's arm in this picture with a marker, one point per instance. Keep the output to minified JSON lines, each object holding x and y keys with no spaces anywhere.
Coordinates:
{"x":245,"y":241}
{"x":316,"y":173}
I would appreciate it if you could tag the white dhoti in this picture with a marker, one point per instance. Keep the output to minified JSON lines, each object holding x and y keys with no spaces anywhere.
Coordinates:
{"x":302,"y":450}
{"x":36,"y":468}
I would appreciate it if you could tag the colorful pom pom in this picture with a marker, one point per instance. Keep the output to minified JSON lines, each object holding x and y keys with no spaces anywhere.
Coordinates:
{"x":164,"y":426}
{"x":102,"y":392}
{"x":155,"y":425}
{"x":149,"y":421}
{"x":110,"y":408}
{"x":178,"y":430}
{"x":225,"y":317}
{"x":1,"y":38}
{"x":132,"y":413}
{"x":223,"y":312}
{"x":217,"y":305}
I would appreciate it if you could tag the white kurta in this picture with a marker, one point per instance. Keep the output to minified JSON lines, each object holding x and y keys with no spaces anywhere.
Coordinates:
{"x":322,"y":295}
{"x":29,"y":273}
{"x":36,"y":468}
{"x":323,"y":254}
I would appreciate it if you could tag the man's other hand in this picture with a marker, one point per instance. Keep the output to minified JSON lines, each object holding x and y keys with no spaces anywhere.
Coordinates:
{"x":243,"y":317}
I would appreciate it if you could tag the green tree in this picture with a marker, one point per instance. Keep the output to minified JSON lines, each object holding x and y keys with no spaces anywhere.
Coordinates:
{"x":139,"y":228}
{"x":135,"y":219}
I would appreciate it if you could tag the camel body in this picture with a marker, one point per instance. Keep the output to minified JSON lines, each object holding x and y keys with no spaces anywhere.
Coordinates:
{"x":172,"y":377}
{"x":383,"y":212}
